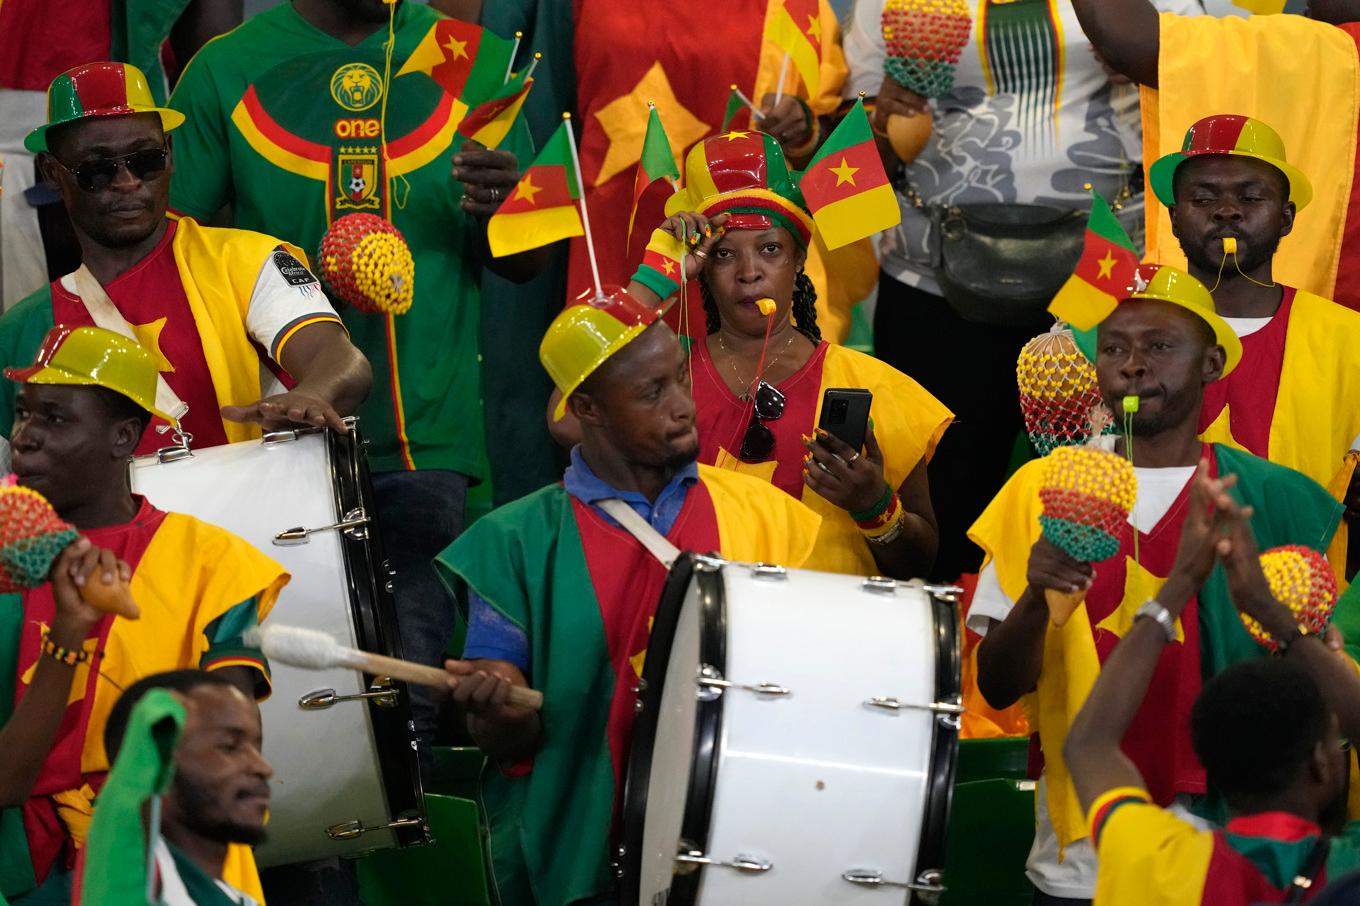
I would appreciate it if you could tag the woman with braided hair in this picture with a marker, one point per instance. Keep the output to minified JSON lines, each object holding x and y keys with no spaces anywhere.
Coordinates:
{"x":739,"y":226}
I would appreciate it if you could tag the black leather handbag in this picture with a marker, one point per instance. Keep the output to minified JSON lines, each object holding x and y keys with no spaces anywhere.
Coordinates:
{"x":1001,"y":264}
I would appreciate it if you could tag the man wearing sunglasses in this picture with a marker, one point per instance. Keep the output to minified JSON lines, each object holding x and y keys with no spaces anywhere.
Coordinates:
{"x":223,"y":312}
{"x":561,"y":595}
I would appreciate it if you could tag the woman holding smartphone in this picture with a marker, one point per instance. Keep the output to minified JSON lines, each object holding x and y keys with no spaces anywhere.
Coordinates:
{"x":759,"y":378}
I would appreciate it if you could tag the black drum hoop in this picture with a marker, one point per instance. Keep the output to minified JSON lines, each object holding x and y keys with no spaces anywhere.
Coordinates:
{"x":373,"y":611}
{"x":698,"y":810}
{"x":930,"y":851}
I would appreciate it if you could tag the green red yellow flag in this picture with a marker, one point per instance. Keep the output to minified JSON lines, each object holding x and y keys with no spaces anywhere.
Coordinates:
{"x":657,"y":161}
{"x":466,"y":60}
{"x":735,"y":104}
{"x":795,"y":27}
{"x":846,"y":187}
{"x":489,"y":122}
{"x":542,"y":207}
{"x":1107,"y":265}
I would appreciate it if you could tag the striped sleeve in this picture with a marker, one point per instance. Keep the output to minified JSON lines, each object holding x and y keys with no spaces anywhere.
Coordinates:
{"x":1147,"y":856}
{"x":227,"y":646}
{"x":287,"y":298}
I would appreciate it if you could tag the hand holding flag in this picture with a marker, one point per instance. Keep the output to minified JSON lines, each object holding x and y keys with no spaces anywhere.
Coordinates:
{"x":845,"y":185}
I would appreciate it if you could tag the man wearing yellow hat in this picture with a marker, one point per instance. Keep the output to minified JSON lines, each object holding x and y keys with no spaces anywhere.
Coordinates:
{"x":81,"y":409}
{"x":1295,"y":400}
{"x":1158,"y":345}
{"x":217,"y":309}
{"x":561,"y":596}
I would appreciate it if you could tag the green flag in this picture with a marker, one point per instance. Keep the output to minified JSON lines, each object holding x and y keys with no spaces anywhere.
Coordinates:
{"x":735,"y":102}
{"x":657,"y":160}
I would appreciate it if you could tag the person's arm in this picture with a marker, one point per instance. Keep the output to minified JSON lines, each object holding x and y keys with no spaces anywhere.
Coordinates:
{"x":488,"y":177}
{"x":1011,"y":655}
{"x":1126,"y":34}
{"x":333,"y":377}
{"x":481,"y":689}
{"x":27,"y":738}
{"x":1092,"y":749}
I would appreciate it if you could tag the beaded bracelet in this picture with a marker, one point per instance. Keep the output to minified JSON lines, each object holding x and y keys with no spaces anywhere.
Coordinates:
{"x":68,"y":656}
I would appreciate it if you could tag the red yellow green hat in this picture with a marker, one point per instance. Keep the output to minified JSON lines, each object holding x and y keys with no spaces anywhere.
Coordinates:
{"x":94,"y":357}
{"x":1232,"y":134}
{"x":98,"y":89}
{"x":585,"y":335}
{"x":743,"y":175}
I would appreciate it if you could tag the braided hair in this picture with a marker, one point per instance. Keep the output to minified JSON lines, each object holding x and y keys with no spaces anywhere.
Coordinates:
{"x":804,"y":309}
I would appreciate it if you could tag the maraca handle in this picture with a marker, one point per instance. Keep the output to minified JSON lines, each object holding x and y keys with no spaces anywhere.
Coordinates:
{"x":1062,"y":604}
{"x":115,"y":599}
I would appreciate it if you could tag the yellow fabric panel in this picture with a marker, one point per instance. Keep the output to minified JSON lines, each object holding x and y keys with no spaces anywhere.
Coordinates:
{"x":239,"y":870}
{"x":833,"y":69}
{"x":190,"y":574}
{"x":908,"y":423}
{"x":1261,"y":66}
{"x":1149,"y":857}
{"x":1009,"y":526}
{"x":757,"y":522}
{"x":218,"y":269}
{"x":843,"y":277}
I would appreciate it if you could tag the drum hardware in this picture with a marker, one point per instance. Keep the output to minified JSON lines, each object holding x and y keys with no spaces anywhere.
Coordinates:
{"x":707,"y":564}
{"x":768,"y":571}
{"x":351,"y":830}
{"x":380,"y":693}
{"x":947,"y":593}
{"x":711,"y":685}
{"x":352,"y":525}
{"x":888,"y":703}
{"x":880,"y":585}
{"x":690,"y":860}
{"x":926,"y":883}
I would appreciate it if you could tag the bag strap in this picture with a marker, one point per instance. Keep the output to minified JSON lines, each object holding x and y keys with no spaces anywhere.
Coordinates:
{"x":106,"y":315}
{"x":1302,"y":884}
{"x":655,"y":542}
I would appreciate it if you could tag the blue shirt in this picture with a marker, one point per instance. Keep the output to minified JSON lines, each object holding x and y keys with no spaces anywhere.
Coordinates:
{"x":491,"y":635}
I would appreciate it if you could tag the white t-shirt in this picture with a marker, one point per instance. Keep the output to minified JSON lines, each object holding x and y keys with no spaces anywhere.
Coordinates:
{"x":1075,"y":875}
{"x":1028,"y":124}
{"x":1245,"y":327}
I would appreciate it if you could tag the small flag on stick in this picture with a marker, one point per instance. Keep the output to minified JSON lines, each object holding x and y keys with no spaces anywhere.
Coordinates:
{"x":795,"y":27}
{"x":845,"y":185}
{"x":657,"y":162}
{"x":489,"y":122}
{"x":1108,"y":263}
{"x":542,"y":207}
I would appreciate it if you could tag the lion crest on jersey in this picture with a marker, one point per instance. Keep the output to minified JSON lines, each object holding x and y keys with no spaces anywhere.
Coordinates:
{"x":356,"y":86}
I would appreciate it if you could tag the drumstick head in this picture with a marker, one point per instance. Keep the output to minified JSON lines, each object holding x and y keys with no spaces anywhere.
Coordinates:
{"x":296,"y":646}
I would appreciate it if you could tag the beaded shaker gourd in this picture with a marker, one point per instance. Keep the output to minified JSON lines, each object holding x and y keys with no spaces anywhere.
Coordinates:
{"x":1087,"y":494}
{"x":924,"y":39}
{"x":1301,"y":579}
{"x":32,"y":536}
{"x":1059,"y":397}
{"x":366,"y":262}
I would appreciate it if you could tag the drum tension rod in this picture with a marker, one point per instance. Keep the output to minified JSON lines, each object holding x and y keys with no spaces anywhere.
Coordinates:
{"x":889,"y":703}
{"x":352,"y":525}
{"x":927,"y":882}
{"x":711,"y":685}
{"x":691,"y":859}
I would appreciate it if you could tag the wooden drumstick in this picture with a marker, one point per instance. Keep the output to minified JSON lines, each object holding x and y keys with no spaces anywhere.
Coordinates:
{"x":313,"y":650}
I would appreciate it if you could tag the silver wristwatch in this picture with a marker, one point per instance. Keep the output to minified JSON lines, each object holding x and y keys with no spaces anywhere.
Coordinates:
{"x":1154,"y":611}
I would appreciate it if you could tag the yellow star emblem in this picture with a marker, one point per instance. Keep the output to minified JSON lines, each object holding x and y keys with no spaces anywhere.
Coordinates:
{"x":814,"y":29}
{"x":1140,"y":586}
{"x":639,"y":660}
{"x":668,"y":267}
{"x":624,"y":121}
{"x":457,"y":49}
{"x":736,"y":134}
{"x":1106,"y":266}
{"x":526,"y":190}
{"x":845,"y":173}
{"x":149,"y":336}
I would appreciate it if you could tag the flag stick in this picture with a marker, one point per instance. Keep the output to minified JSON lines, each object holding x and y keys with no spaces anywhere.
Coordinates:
{"x":783,"y":72}
{"x":533,"y":64}
{"x":510,"y":67}
{"x":585,"y":215}
{"x":755,"y":111}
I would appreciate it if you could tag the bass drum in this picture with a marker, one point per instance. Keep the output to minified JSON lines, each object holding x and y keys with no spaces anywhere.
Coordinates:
{"x":346,"y":779}
{"x":795,"y":740}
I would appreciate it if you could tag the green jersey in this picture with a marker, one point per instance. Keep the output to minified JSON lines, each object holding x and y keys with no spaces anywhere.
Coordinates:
{"x":287,"y":124}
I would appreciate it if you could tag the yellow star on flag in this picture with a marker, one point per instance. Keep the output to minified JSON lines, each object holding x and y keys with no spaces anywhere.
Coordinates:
{"x":526,"y":190}
{"x":1140,"y":586}
{"x":624,"y":122}
{"x":814,"y":29}
{"x":845,"y":173}
{"x":736,"y":134}
{"x":149,"y":336}
{"x":668,"y":267}
{"x":1106,"y":266}
{"x":457,"y":49}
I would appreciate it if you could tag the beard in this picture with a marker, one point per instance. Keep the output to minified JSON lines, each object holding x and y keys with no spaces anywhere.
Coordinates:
{"x":682,"y":456}
{"x":1207,"y":255}
{"x":202,"y":814}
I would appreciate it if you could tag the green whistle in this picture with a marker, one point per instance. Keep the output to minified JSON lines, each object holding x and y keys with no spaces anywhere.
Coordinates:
{"x":1130,"y":404}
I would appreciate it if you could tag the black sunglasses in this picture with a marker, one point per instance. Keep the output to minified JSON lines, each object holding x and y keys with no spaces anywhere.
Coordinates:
{"x":98,"y":174}
{"x":758,"y":443}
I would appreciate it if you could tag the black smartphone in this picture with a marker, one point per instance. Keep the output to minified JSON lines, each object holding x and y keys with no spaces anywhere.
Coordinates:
{"x":845,"y":414}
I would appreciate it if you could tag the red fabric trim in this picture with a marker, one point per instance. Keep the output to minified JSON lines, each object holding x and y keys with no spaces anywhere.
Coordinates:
{"x":1251,"y":391}
{"x":1282,"y":826}
{"x":425,"y":132}
{"x":1100,"y":817}
{"x":281,"y":136}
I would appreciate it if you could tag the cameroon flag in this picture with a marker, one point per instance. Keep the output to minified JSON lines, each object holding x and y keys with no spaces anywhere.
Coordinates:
{"x":467,"y":61}
{"x":734,"y":106}
{"x":1108,"y":261}
{"x":542,"y":207}
{"x":845,"y":186}
{"x":657,"y":160}
{"x":795,"y":27}
{"x":489,"y":122}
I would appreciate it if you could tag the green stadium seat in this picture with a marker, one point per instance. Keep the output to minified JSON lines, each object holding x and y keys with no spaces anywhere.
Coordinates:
{"x":451,"y":871}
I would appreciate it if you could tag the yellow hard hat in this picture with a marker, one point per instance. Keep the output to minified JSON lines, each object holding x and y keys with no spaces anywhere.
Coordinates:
{"x":585,"y":335}
{"x":1167,"y":284}
{"x":94,"y":357}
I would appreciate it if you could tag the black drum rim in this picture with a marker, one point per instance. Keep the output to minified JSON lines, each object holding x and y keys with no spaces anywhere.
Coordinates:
{"x":930,"y":850}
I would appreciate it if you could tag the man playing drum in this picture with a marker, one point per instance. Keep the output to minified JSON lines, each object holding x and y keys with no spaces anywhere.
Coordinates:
{"x":1158,"y":347}
{"x":82,"y":407}
{"x":217,"y":309}
{"x":562,"y":596}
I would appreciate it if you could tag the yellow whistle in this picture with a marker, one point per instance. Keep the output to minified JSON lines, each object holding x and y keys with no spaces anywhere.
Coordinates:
{"x":766,"y":306}
{"x":1130,"y":404}
{"x":1230,"y":245}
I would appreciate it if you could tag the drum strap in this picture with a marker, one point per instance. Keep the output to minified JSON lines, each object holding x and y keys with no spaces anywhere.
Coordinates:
{"x":641,"y":529}
{"x":106,"y":315}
